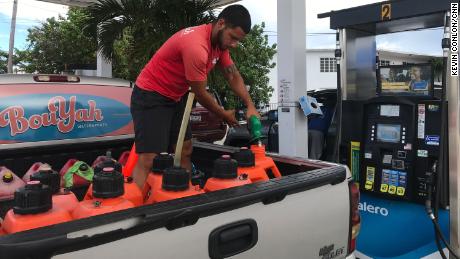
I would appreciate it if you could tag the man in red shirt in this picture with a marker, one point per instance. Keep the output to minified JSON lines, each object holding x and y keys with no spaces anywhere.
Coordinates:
{"x":183,"y":63}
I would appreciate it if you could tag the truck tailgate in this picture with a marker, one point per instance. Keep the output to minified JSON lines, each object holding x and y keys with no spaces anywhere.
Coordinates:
{"x":296,"y":216}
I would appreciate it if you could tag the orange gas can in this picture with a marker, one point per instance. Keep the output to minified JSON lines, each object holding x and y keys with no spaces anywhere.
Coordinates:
{"x":108,"y":189}
{"x":225,"y":175}
{"x":175,"y":184}
{"x":130,"y":162}
{"x":155,"y":177}
{"x":265,"y":162}
{"x":33,"y":209}
{"x":62,"y":197}
{"x":132,"y":192}
{"x":247,"y":165}
{"x":123,"y":158}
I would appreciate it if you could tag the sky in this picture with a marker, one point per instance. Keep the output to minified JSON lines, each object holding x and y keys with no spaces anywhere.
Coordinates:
{"x":31,"y":13}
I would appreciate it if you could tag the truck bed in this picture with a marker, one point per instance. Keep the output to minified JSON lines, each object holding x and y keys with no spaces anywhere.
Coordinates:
{"x":297,"y":216}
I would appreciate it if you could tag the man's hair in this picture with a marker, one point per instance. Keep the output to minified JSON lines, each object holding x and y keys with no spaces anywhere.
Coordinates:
{"x":236,"y":16}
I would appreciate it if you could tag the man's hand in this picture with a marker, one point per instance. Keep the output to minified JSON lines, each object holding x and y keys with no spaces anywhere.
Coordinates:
{"x":252,"y":111}
{"x":229,"y":118}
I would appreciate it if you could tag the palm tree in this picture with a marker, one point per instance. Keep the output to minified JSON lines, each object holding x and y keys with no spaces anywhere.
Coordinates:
{"x":144,"y":24}
{"x":437,"y":67}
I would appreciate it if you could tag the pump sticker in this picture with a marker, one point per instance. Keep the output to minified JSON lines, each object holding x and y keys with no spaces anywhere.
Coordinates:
{"x":422,"y":153}
{"x":432,"y":140}
{"x":385,"y":180}
{"x":354,"y":166}
{"x":370,"y":178}
{"x":393,"y":182}
{"x":421,"y":121}
{"x":433,"y":107}
{"x":401,"y":189}
{"x":408,"y":146}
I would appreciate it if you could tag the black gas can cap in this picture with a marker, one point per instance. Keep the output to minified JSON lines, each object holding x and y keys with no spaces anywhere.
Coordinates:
{"x":225,"y":168}
{"x":32,"y":199}
{"x":245,"y":157}
{"x":162,"y":162}
{"x":108,"y":184}
{"x":49,"y":177}
{"x":176,"y":179}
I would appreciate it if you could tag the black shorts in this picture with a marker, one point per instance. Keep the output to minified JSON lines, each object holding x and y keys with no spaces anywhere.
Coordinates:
{"x":157,"y":120}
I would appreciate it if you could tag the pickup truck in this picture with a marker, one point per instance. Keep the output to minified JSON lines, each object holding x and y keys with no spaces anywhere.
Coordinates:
{"x":310,"y":212}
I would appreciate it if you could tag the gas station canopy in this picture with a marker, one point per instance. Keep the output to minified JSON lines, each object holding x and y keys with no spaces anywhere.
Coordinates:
{"x":84,"y":3}
{"x":389,"y":17}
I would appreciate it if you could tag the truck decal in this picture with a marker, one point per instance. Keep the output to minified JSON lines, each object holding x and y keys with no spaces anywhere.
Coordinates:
{"x":42,"y":117}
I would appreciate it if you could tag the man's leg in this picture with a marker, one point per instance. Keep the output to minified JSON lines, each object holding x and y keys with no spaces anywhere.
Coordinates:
{"x":142,"y":168}
{"x":316,"y":143}
{"x":152,"y":116}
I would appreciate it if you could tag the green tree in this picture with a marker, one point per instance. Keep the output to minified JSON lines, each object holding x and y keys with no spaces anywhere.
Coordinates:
{"x":144,"y":25}
{"x":57,"y":43}
{"x":253,"y":57}
{"x":4,"y":61}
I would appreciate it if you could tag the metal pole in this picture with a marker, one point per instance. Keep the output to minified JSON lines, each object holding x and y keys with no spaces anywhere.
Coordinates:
{"x":12,"y":31}
{"x":293,"y":125}
{"x":453,"y":93}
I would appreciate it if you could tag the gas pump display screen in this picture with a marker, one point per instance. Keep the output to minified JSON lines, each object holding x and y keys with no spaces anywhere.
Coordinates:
{"x":389,"y":110}
{"x":390,"y":133}
{"x":416,"y":79}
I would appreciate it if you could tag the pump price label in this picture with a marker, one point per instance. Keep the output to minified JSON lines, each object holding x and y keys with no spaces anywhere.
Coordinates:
{"x":370,"y":178}
{"x":421,"y":121}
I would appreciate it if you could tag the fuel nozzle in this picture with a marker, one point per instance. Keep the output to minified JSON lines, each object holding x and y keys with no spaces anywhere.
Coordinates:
{"x":430,"y":180}
{"x":255,"y":129}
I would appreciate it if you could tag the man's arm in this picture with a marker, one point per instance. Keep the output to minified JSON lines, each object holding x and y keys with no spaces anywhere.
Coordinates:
{"x":236,"y":83}
{"x":205,"y":99}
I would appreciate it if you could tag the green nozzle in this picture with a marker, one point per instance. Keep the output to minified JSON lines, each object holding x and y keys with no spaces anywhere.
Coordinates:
{"x":255,"y":128}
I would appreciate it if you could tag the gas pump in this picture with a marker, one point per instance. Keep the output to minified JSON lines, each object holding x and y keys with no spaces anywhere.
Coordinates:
{"x":392,"y":132}
{"x":401,"y":135}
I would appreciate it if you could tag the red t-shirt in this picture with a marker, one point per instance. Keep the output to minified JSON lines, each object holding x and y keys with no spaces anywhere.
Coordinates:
{"x":187,"y":55}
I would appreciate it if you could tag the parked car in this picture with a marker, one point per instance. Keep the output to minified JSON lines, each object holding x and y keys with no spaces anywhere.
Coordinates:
{"x":206,"y":126}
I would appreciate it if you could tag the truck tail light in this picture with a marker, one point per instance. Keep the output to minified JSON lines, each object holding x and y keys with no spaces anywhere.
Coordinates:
{"x":57,"y":78}
{"x":355,"y":219}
